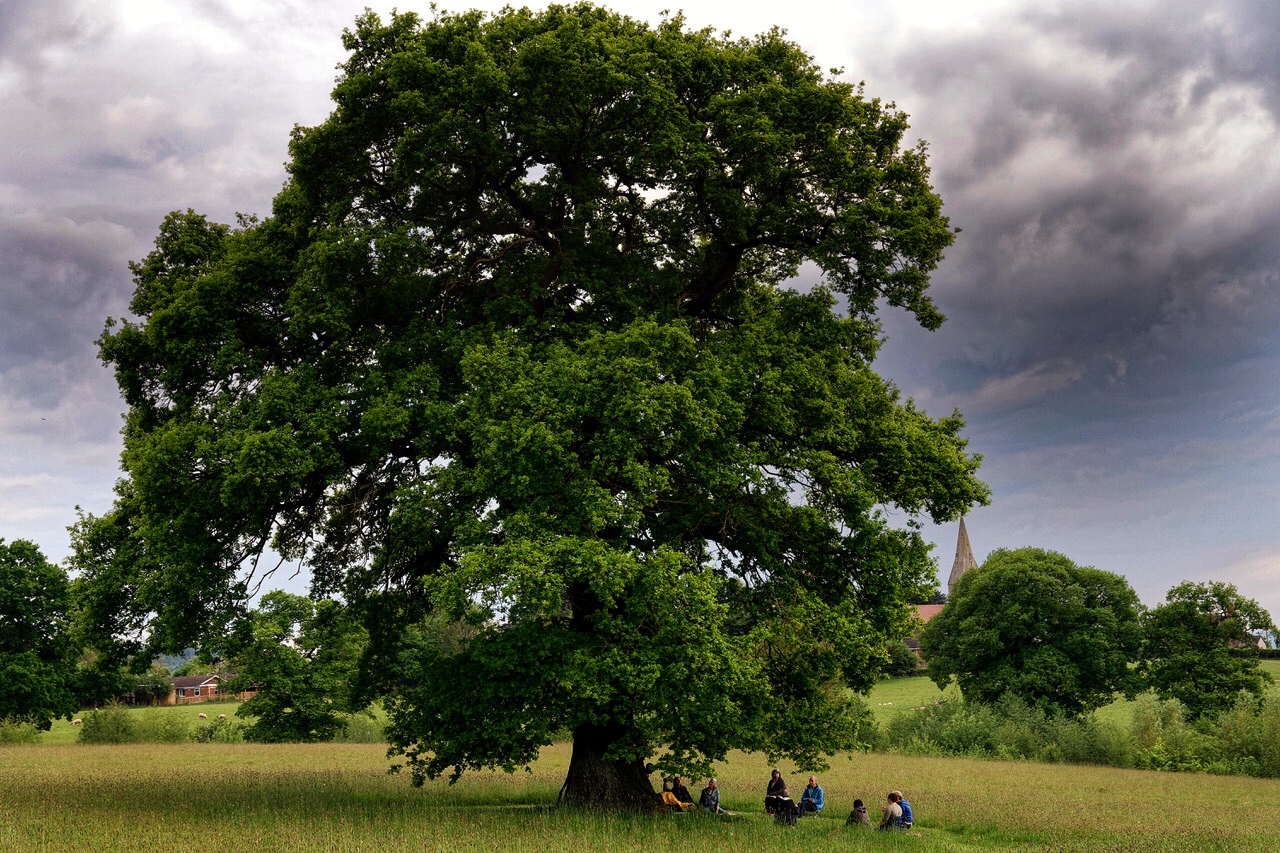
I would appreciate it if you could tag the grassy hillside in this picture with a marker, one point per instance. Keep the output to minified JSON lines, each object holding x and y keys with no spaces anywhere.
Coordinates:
{"x":339,"y":798}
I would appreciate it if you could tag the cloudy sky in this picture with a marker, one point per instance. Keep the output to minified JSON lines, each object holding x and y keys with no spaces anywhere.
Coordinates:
{"x":1113,"y":296}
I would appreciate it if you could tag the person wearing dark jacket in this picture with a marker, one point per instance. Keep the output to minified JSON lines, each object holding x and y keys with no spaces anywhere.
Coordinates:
{"x":681,"y":792}
{"x":776,"y":793}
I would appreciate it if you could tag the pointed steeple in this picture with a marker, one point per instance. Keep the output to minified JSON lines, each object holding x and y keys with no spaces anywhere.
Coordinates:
{"x":964,"y":558}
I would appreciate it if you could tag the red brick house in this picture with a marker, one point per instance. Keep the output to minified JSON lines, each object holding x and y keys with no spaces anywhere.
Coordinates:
{"x":188,"y":689}
{"x":192,"y":689}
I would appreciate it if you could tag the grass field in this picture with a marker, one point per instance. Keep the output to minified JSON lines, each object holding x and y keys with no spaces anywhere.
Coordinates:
{"x":61,"y":796}
{"x":338,"y":797}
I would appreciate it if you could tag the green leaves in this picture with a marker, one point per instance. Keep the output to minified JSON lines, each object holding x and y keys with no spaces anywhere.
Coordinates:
{"x":300,"y":657}
{"x":36,"y":663}
{"x":1187,"y":643}
{"x":1033,"y":624}
{"x":514,"y":367}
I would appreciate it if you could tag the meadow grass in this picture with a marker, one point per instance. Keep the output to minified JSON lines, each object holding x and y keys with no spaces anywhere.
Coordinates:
{"x":338,"y":797}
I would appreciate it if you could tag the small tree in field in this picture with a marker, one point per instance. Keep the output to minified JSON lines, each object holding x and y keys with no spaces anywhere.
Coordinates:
{"x":301,"y":658}
{"x":1188,"y":644}
{"x":154,"y":685}
{"x":516,"y":353}
{"x":1034,"y":624}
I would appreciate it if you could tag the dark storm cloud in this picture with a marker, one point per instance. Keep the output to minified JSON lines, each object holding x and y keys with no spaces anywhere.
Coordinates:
{"x":1114,"y":295}
{"x":1113,"y":173}
{"x":56,"y":285}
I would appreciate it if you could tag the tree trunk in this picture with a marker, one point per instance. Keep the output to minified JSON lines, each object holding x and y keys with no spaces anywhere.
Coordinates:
{"x":600,"y":783}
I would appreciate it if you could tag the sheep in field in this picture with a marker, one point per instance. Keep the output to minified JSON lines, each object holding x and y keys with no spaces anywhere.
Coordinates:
{"x":222,"y":716}
{"x":77,"y":722}
{"x":203,"y":716}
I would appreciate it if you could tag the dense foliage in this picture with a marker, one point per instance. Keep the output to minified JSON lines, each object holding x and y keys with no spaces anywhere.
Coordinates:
{"x":1188,"y":645}
{"x":301,"y":658}
{"x":36,"y":662}
{"x":1159,"y":735}
{"x":516,"y":368}
{"x":1033,"y":624}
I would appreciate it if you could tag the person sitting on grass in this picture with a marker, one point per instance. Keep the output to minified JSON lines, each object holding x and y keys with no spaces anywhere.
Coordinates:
{"x":906,"y":809}
{"x":776,"y":792}
{"x":859,"y":816}
{"x":892,"y":815}
{"x":811,"y":798}
{"x":669,"y":799}
{"x":710,"y":799}
{"x":681,"y":792}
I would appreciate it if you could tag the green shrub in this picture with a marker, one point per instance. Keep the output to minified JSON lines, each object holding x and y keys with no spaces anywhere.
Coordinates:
{"x":902,"y":660}
{"x":1239,"y":731}
{"x":1269,"y":733}
{"x":13,"y":731}
{"x":157,"y":726}
{"x":361,"y":727}
{"x":219,"y":731}
{"x":112,"y":723}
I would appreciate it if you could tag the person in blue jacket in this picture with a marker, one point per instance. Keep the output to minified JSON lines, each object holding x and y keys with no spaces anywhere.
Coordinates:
{"x":906,"y":809}
{"x":811,"y":799}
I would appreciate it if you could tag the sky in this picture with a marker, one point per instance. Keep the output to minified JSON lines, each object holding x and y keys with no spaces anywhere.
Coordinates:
{"x":1113,"y":296}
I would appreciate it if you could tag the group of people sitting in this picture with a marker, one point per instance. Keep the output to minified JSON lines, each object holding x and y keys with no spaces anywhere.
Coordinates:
{"x":896,"y":813}
{"x":777,"y":802}
{"x":677,"y":797}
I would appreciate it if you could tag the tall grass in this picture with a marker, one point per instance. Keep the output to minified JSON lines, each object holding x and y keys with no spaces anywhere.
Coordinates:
{"x":338,"y":797}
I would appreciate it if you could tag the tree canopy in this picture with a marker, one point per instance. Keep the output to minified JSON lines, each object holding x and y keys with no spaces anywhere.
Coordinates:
{"x":1188,"y":642}
{"x":1032,"y":623}
{"x":301,"y":659}
{"x":36,"y":662}
{"x":517,"y":367}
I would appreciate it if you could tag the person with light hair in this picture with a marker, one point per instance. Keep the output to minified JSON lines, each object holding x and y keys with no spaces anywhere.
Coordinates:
{"x":811,"y":798}
{"x":892,"y":818}
{"x":710,"y":799}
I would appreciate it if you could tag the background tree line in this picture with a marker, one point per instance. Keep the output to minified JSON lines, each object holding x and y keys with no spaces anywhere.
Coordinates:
{"x":299,"y":656}
{"x":1068,"y":639}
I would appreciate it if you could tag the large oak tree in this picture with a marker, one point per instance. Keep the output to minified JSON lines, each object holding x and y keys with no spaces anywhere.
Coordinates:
{"x":516,"y":368}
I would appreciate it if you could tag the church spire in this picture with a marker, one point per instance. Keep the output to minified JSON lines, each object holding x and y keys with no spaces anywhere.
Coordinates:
{"x":964,"y":558}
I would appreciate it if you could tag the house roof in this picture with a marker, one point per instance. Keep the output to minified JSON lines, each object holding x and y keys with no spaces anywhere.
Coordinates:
{"x":194,"y":680}
{"x":928,"y":611}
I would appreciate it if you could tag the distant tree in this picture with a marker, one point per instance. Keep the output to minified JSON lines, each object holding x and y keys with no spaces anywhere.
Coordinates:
{"x":175,"y":663}
{"x":36,"y":658}
{"x":1188,"y":642}
{"x":154,"y":685}
{"x":201,"y":664}
{"x":902,"y":660}
{"x":301,"y":657}
{"x":96,"y":680}
{"x":1033,"y":624}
